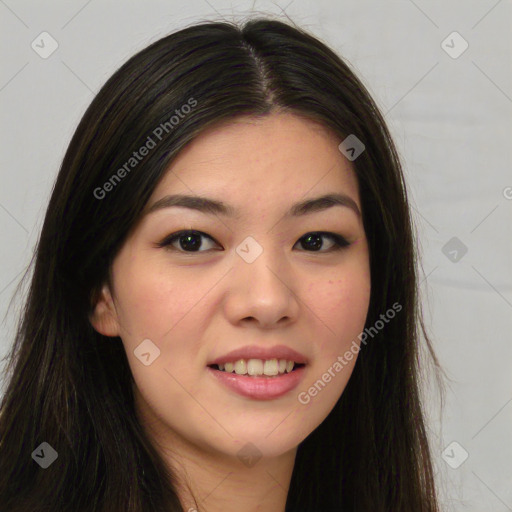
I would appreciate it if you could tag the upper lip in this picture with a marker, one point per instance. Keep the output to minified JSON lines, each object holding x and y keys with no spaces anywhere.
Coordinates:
{"x":259,"y":352}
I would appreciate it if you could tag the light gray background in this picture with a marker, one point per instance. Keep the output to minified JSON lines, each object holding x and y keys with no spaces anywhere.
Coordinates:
{"x":451,"y":119}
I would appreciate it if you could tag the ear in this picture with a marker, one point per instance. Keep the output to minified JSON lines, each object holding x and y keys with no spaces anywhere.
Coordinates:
{"x":104,"y":317}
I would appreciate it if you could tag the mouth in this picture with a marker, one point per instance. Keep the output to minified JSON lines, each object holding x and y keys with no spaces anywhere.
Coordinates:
{"x":258,"y":379}
{"x":270,"y":368}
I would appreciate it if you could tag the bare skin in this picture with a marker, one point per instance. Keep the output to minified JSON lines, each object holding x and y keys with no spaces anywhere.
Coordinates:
{"x":198,"y":305}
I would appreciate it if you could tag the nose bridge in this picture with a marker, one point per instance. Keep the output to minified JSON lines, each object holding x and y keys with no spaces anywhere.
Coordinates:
{"x":261,"y":287}
{"x":261,"y":262}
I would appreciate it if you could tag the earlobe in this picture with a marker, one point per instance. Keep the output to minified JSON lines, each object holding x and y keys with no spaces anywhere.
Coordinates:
{"x":103,"y":317}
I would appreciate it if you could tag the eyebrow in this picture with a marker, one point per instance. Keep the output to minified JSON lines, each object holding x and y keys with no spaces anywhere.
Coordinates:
{"x":215,"y":207}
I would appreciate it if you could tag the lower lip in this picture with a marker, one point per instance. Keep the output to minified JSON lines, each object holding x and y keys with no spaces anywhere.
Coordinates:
{"x":260,"y":388}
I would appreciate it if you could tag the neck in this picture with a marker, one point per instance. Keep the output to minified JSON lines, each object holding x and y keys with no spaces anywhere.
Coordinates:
{"x":209,"y":481}
{"x":224,"y":484}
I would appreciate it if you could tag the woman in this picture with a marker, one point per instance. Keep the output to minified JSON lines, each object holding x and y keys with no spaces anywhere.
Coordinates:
{"x":223,"y":313}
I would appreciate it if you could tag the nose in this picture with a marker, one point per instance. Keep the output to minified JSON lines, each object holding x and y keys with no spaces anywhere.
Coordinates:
{"x":263,"y":292}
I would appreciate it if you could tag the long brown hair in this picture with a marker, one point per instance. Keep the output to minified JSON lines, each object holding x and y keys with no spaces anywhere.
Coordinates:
{"x":71,"y":387}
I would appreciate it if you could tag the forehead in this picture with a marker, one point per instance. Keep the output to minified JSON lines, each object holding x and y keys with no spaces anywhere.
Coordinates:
{"x":273,"y":159}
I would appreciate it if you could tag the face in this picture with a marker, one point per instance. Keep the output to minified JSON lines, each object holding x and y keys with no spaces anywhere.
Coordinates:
{"x":260,"y":276}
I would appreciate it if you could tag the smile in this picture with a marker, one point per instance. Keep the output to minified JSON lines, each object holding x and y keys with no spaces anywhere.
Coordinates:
{"x":259,"y":385}
{"x":257,"y":367}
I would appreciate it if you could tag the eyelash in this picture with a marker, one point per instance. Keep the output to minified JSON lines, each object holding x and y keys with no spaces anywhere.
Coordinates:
{"x":340,"y":242}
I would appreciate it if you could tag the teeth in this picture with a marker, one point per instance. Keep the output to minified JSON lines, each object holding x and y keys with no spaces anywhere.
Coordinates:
{"x":241,"y":367}
{"x":271,"y":367}
{"x":255,"y":367}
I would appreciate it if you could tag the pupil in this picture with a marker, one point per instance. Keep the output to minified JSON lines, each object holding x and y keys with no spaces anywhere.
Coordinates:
{"x":188,"y":244}
{"x":316,"y":245}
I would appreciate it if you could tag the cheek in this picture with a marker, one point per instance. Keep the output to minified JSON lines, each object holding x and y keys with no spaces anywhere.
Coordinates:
{"x":165,"y":309}
{"x":340,"y":305}
{"x":341,"y":301}
{"x":344,"y":298}
{"x":152,"y":303}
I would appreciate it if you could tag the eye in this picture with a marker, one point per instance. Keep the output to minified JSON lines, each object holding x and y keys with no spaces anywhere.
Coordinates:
{"x":314,"y":241}
{"x":190,"y":241}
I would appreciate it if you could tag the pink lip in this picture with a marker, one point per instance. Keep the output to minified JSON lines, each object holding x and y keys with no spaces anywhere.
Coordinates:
{"x":258,"y":352}
{"x":260,"y":388}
